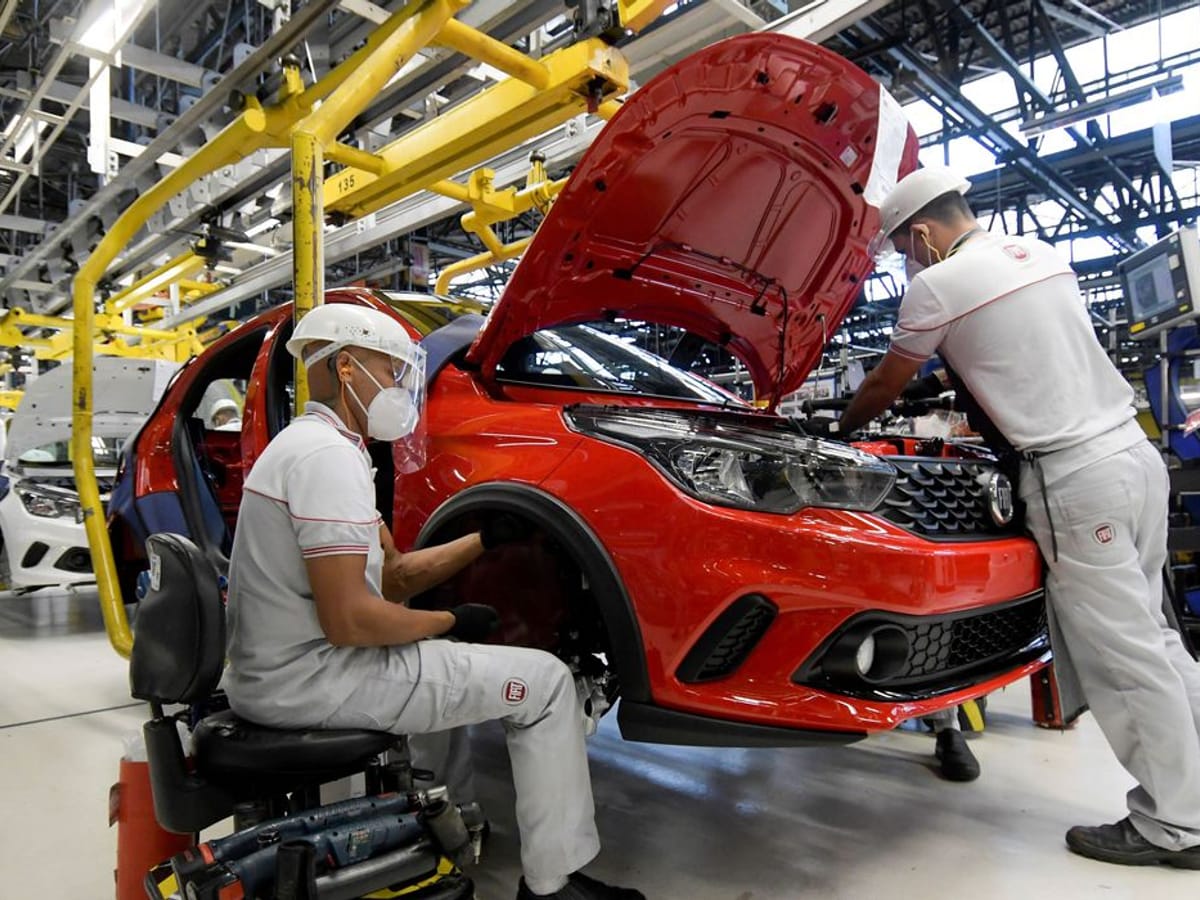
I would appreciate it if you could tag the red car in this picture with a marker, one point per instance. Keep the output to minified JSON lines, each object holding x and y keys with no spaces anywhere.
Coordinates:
{"x":732,"y":579}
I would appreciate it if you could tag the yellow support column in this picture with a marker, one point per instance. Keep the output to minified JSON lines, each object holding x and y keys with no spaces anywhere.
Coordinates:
{"x":423,"y":21}
{"x":308,"y":258}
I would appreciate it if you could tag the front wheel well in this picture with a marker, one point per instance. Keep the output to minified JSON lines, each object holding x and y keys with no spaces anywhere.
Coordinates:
{"x":562,"y":587}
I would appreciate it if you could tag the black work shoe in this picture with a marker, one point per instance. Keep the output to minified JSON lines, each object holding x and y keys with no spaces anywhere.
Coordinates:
{"x":957,"y":762}
{"x":580,"y":887}
{"x":1122,"y":844}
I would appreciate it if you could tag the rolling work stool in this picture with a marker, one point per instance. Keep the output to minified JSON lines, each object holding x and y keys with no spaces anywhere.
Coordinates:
{"x":255,"y":773}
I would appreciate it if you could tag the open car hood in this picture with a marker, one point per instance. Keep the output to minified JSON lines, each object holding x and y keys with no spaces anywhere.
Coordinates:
{"x":734,"y":195}
{"x":125,"y":392}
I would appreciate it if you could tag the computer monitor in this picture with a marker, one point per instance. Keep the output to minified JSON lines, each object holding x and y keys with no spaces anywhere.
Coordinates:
{"x":1162,"y":284}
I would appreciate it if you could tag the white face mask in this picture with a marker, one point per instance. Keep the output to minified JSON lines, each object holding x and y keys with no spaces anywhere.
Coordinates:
{"x":912,"y":265}
{"x":391,"y":415}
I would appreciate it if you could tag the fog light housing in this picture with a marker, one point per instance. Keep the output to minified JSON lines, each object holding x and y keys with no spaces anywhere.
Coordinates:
{"x":868,"y":652}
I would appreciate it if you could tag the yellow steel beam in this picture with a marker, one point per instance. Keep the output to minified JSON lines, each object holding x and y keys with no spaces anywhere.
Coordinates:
{"x":637,"y":14}
{"x":352,"y":156}
{"x":113,"y":337}
{"x":476,"y":44}
{"x":190,"y":290}
{"x":160,"y":279}
{"x":479,"y":261}
{"x":581,"y":77}
{"x":11,"y":399}
{"x":490,"y":206}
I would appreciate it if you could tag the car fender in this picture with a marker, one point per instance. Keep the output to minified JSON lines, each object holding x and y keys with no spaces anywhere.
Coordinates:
{"x":564,"y":525}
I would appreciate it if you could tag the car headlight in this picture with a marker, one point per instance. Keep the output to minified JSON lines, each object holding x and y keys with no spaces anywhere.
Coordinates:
{"x":715,"y":458}
{"x":47,"y":503}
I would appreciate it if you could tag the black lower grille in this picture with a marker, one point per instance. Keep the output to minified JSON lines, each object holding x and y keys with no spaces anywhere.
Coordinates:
{"x":945,"y":652}
{"x":949,"y":646}
{"x":943,"y":499}
{"x":727,"y":642}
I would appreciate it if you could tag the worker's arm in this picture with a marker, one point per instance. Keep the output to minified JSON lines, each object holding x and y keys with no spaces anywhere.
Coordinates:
{"x":879,"y":389}
{"x":407,"y":574}
{"x":351,"y":615}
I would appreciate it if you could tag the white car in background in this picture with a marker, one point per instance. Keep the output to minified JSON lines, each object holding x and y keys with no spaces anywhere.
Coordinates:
{"x":44,"y":541}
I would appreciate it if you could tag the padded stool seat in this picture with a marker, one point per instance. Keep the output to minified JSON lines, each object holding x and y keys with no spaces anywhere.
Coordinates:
{"x":234,"y":753}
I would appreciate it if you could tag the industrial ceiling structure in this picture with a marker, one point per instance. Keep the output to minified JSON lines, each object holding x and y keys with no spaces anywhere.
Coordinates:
{"x":96,"y":107}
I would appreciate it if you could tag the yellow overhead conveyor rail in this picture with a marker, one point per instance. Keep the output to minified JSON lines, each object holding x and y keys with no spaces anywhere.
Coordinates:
{"x":174,"y":271}
{"x":111,"y":335}
{"x":488,"y":207}
{"x":538,"y":95}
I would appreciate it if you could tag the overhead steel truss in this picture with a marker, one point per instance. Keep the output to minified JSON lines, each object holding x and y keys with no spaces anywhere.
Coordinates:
{"x":1107,"y":188}
{"x":1104,"y":187}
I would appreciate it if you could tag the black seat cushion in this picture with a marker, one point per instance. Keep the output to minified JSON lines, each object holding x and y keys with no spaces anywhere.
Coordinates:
{"x":251,"y":758}
{"x":179,"y":645}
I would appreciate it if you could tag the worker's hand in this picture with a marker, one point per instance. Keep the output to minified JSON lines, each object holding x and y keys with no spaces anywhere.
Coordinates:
{"x":504,"y":528}
{"x":823,"y":427}
{"x":923,"y":389}
{"x":473,"y":622}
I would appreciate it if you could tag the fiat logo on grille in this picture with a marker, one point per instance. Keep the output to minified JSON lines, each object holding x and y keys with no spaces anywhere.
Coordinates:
{"x":1000,"y":498}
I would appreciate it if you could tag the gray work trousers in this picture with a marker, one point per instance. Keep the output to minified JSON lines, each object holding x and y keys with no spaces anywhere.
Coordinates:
{"x":533,"y":694}
{"x":1106,"y":599}
{"x":942,"y":719}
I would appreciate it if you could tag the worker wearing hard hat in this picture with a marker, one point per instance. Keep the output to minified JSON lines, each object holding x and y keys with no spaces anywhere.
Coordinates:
{"x":1006,"y":315}
{"x":224,"y":415}
{"x":314,"y":641}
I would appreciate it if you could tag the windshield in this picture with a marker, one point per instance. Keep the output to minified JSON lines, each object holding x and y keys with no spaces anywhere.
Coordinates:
{"x":583,"y":357}
{"x":105,"y":451}
{"x":428,"y":314}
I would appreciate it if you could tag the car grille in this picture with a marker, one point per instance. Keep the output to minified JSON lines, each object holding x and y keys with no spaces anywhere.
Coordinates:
{"x":941,"y":647}
{"x":727,"y":642}
{"x":945,"y":652}
{"x":943,"y":499}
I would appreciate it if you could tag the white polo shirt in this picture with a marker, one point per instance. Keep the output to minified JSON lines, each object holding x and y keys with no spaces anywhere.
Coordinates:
{"x":1007,"y":314}
{"x":310,"y":494}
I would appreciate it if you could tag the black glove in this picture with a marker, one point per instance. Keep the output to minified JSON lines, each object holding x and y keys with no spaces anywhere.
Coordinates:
{"x":925,"y":389}
{"x":823,"y":427}
{"x":910,"y":408}
{"x":504,"y":528}
{"x":473,"y":622}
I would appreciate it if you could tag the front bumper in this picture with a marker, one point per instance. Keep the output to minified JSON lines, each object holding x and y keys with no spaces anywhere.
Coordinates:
{"x":935,"y":655}
{"x":43,"y":551}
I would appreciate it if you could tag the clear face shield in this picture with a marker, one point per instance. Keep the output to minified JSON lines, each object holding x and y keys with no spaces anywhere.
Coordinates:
{"x":395,"y":412}
{"x":881,"y":248}
{"x":408,"y":377}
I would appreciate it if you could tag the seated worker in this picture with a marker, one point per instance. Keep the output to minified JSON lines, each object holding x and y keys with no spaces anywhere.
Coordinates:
{"x":319,"y":633}
{"x":224,"y":415}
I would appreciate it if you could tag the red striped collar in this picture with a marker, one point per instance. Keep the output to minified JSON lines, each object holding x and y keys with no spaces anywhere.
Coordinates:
{"x":327,"y":415}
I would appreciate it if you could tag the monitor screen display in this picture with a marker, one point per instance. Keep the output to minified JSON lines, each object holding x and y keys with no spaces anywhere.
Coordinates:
{"x":1162,"y":284}
{"x":1151,"y":288}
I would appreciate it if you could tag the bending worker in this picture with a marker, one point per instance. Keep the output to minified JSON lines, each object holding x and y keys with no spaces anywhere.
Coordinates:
{"x":1006,"y":313}
{"x":319,"y":633}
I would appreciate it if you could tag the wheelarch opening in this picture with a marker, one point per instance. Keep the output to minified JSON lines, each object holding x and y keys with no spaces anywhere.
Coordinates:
{"x":558,"y":591}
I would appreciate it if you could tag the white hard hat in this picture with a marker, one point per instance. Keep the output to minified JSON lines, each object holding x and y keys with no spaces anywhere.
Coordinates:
{"x":222,"y":405}
{"x":348,"y":325}
{"x":914,"y":191}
